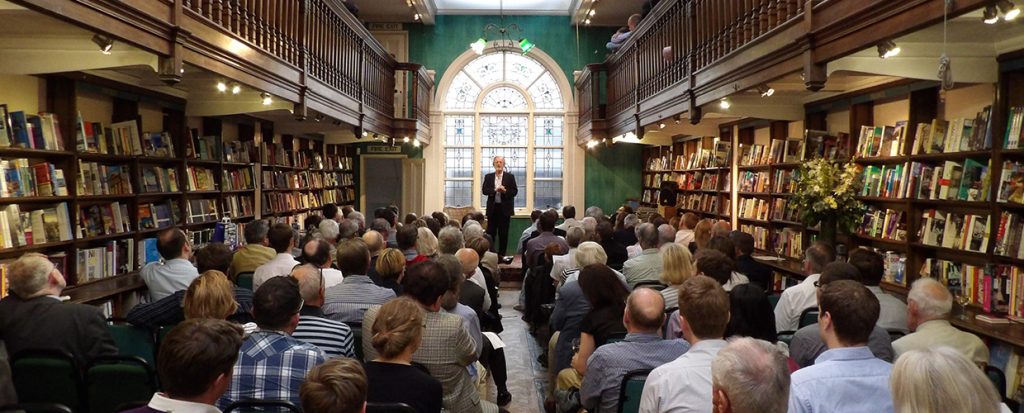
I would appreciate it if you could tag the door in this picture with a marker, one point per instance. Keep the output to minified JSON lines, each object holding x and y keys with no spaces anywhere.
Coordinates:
{"x":381,"y":177}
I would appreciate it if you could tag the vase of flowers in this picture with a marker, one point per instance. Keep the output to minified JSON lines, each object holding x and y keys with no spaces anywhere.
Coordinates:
{"x":824,"y":196}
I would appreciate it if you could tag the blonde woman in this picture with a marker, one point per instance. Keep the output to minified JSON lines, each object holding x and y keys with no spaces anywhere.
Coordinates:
{"x":395,"y":335}
{"x":702,"y":234}
{"x":391,"y":268}
{"x":426,"y":243}
{"x":677,"y":266}
{"x":212,"y":295}
{"x":941,"y":380}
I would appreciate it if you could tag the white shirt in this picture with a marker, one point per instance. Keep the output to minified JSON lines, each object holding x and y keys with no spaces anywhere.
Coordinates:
{"x":162,"y":403}
{"x":561,"y":263}
{"x":683,"y":385}
{"x":569,"y":223}
{"x":332,"y":277}
{"x":165,"y":278}
{"x":734,"y":280}
{"x":795,"y":300}
{"x":282,"y":264}
{"x":684,"y":237}
{"x":478,"y":279}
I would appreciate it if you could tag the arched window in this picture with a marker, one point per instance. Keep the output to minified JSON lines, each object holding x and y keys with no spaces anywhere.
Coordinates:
{"x":510,"y":105}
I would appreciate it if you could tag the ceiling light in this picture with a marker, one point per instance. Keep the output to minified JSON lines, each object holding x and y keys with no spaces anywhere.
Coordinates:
{"x":1010,"y":10}
{"x":236,"y":88}
{"x":661,"y":125}
{"x":415,"y":143}
{"x":765,"y":90}
{"x":991,"y":14}
{"x":365,"y":134}
{"x":587,"y":21}
{"x":479,"y":45}
{"x":592,"y":12}
{"x":591,"y":144}
{"x":266,"y":99}
{"x":222,"y":87}
{"x":526,"y":45}
{"x":888,"y":49}
{"x":105,"y":43}
{"x":677,"y":119}
{"x":724,"y":103}
{"x":405,"y":139}
{"x":416,"y":17}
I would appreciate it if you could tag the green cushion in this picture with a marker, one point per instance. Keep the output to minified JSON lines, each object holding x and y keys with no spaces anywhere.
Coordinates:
{"x":133,"y":341}
{"x":46,"y":380}
{"x":112,"y":385}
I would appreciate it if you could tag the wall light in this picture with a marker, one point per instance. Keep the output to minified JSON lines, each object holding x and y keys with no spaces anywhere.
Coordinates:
{"x":236,"y":88}
{"x":105,"y":43}
{"x":405,"y":139}
{"x":266,"y":98}
{"x":222,"y":87}
{"x":888,"y":49}
{"x":1010,"y":10}
{"x":661,"y":125}
{"x":724,"y":103}
{"x":677,"y":119}
{"x":991,"y":14}
{"x":415,"y":143}
{"x":591,"y":144}
{"x":479,"y":45}
{"x":765,"y":90}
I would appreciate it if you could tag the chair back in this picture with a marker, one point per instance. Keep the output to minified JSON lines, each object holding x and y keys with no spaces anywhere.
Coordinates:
{"x":134,"y":341}
{"x":653,"y":284}
{"x":895,"y":335}
{"x":668,"y":321}
{"x":357,"y":342}
{"x":47,"y":376}
{"x":113,"y":381}
{"x":631,"y":388}
{"x":774,"y":299}
{"x":262,"y":406}
{"x":808,"y":316}
{"x":245,"y":280}
{"x":377,"y":407}
{"x":35,"y":408}
{"x":998,"y":379}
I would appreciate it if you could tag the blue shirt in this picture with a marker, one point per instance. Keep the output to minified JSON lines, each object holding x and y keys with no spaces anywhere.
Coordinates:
{"x":164,"y":278}
{"x":271,"y":365}
{"x":612,"y":361}
{"x":847,"y":380}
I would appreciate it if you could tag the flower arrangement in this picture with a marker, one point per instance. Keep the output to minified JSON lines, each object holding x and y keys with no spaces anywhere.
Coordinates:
{"x":824,"y":193}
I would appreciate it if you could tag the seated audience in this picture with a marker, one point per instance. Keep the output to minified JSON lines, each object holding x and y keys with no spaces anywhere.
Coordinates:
{"x":569,"y":213}
{"x":211,"y":295}
{"x":807,"y":343}
{"x":646,"y":266}
{"x":382,"y":226}
{"x":272,"y":364}
{"x":722,"y":228}
{"x":348,"y":229}
{"x":426,"y":242}
{"x":446,"y":348}
{"x":677,"y":266}
{"x":666,"y":234}
{"x":756,"y":272}
{"x":796,"y":299}
{"x":451,"y":305}
{"x":406,"y":238}
{"x":194,"y":365}
{"x":528,"y":232}
{"x":375,"y":243}
{"x":450,"y":240}
{"x":255,"y":252}
{"x":312,"y":224}
{"x":684,"y":385}
{"x":330,"y":211}
{"x":750,"y":314}
{"x":175,"y":272}
{"x":33,"y":317}
{"x":491,"y":319}
{"x":359,"y":219}
{"x":337,"y":386}
{"x":595,"y":212}
{"x":282,"y":239}
{"x":686,"y":225}
{"x":941,"y":379}
{"x":701,"y":235}
{"x":390,"y":268}
{"x":846,"y":375}
{"x":928,"y":307}
{"x":616,"y":252}
{"x":713,"y":263}
{"x":470,"y":294}
{"x":534,"y":255}
{"x":346,"y":302}
{"x":395,"y":336}
{"x":626,"y":234}
{"x":893,"y":316}
{"x":560,"y":263}
{"x":750,"y":376}
{"x":642,"y":348}
{"x":333,"y":337}
{"x":317,"y":252}
{"x":330,"y":232}
{"x":488,"y":259}
{"x":607,"y":298}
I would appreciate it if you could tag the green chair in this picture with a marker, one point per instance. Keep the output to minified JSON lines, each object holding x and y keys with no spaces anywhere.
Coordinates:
{"x":134,"y":341}
{"x":357,"y":342}
{"x":113,"y":381}
{"x":245,"y":280}
{"x":774,"y":299}
{"x":630,"y":390}
{"x":35,"y":408}
{"x":808,"y":316}
{"x":47,"y":376}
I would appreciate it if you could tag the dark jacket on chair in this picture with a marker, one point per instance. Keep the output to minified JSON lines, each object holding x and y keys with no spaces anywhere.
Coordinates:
{"x":46,"y":323}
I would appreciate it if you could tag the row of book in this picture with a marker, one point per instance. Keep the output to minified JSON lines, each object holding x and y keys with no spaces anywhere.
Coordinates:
{"x":650,"y":196}
{"x":1011,"y":183}
{"x":37,"y":226}
{"x":121,"y":138}
{"x":101,"y":179}
{"x":789,"y":242}
{"x":718,"y":156}
{"x":158,"y":215}
{"x":950,"y":180}
{"x":276,"y":154}
{"x":760,"y":235}
{"x":343,"y":179}
{"x":703,"y":180}
{"x":19,"y":179}
{"x":340,"y":196}
{"x":784,"y":181}
{"x":159,"y":179}
{"x":242,"y":205}
{"x":103,"y":219}
{"x":754,"y":181}
{"x":781,"y":212}
{"x":757,"y":154}
{"x":201,"y":210}
{"x":967,"y":232}
{"x":958,"y":135}
{"x":338,"y":162}
{"x":1012,"y":139}
{"x":237,"y":179}
{"x":285,"y":201}
{"x":115,"y":258}
{"x":23,"y":130}
{"x":699,"y":202}
{"x":1009,"y":235}
{"x":886,"y":223}
{"x":754,"y":208}
{"x":201,"y":179}
{"x":877,"y":141}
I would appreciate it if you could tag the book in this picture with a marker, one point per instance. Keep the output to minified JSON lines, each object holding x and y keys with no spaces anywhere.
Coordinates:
{"x":972,"y":181}
{"x":794,"y":150}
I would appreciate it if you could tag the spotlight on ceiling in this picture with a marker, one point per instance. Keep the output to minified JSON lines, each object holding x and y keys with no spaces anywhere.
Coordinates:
{"x":415,"y":143}
{"x":1010,"y":10}
{"x":266,"y":99}
{"x":416,"y":17}
{"x":105,"y":43}
{"x":724,"y":103}
{"x":222,"y":87}
{"x":405,"y":139}
{"x":591,"y":144}
{"x":587,"y":21}
{"x":526,"y":45}
{"x":479,"y":45}
{"x":661,"y":125}
{"x":887,"y":49}
{"x":991,"y":14}
{"x":677,"y":119}
{"x":765,"y":90}
{"x":236,"y":88}
{"x":592,"y":13}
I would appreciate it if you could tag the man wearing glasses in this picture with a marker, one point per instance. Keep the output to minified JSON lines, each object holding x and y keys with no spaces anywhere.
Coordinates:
{"x":802,"y":296}
{"x":500,"y":189}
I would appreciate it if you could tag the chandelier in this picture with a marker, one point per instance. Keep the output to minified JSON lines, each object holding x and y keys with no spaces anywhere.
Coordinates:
{"x":503,"y":34}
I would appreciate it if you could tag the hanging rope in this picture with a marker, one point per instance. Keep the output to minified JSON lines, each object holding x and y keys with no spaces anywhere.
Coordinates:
{"x":945,"y":70}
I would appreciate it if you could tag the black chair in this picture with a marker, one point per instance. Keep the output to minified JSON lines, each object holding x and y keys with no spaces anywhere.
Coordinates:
{"x":998,"y":379}
{"x":48,"y":376}
{"x":262,"y":406}
{"x":895,"y":335}
{"x":378,"y":407}
{"x":35,"y":408}
{"x":653,"y":284}
{"x":133,"y":341}
{"x":357,"y":342}
{"x":244,"y":280}
{"x":808,"y":316}
{"x":113,"y":381}
{"x":630,"y":390}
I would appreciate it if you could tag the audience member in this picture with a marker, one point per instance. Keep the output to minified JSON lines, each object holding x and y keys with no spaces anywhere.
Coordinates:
{"x":359,"y":219}
{"x":569,"y":213}
{"x":282,"y":239}
{"x":451,"y":305}
{"x":406,"y":238}
{"x":722,"y":228}
{"x":607,"y":298}
{"x":646,"y":266}
{"x":382,"y":226}
{"x":595,"y":212}
{"x":615,"y":251}
{"x":254,"y":253}
{"x":560,"y":263}
{"x":390,"y":269}
{"x":525,"y":236}
{"x":194,"y":365}
{"x":337,"y":386}
{"x":211,"y":295}
{"x":333,"y":337}
{"x":847,"y":374}
{"x":642,"y":348}
{"x":449,"y":241}
{"x":330,"y":211}
{"x":175,"y":272}
{"x":677,"y":266}
{"x":426,"y":243}
{"x":396,"y":335}
{"x":491,"y":319}
{"x":666,"y":234}
{"x":687,"y":223}
{"x":317,"y":252}
{"x":34,"y":317}
{"x":312,"y":224}
{"x":701,"y":235}
{"x":346,"y":302}
{"x":620,"y":36}
{"x":928,"y":307}
{"x":626,"y":234}
{"x":375,"y":243}
{"x":750,"y":376}
{"x":941,"y":379}
{"x":432,"y":224}
{"x":796,"y":299}
{"x":271,"y":364}
{"x":756,"y":272}
{"x":685,"y":383}
{"x":472,"y":295}
{"x":750,"y":314}
{"x":536,"y":244}
{"x":715,"y":264}
{"x":348,"y":229}
{"x":893,"y":316}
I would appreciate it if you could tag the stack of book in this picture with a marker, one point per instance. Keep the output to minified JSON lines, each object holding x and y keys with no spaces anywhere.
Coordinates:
{"x":238,"y":179}
{"x":754,"y":208}
{"x":42,"y":179}
{"x":1009,"y":235}
{"x":121,"y":138}
{"x":103,"y":219}
{"x":201,"y":179}
{"x":99,"y":179}
{"x":953,"y":230}
{"x":754,"y":181}
{"x":958,"y":135}
{"x":38,"y":226}
{"x":879,"y":141}
{"x":967,"y":181}
{"x":885,"y":224}
{"x":159,"y":179}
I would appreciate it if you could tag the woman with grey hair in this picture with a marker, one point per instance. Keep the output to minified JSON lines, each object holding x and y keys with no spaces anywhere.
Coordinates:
{"x":941,"y":380}
{"x":426,"y":242}
{"x":560,"y":263}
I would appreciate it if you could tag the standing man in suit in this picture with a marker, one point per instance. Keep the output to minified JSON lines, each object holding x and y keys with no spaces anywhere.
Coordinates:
{"x":500,"y":189}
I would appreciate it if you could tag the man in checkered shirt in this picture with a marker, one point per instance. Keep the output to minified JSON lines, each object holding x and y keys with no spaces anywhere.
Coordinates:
{"x":271,"y":364}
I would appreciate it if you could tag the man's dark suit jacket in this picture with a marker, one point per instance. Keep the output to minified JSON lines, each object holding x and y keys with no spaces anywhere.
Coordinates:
{"x":472,"y":296}
{"x":507,"y":199}
{"x":45,"y":323}
{"x":757,"y":272}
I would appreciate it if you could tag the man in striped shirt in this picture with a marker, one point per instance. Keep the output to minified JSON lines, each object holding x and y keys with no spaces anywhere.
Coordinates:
{"x":333,"y":337}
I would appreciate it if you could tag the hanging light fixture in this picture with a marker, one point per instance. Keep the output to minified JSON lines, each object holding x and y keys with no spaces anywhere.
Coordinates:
{"x":1010,"y":10}
{"x":991,"y":15}
{"x":105,"y":43}
{"x":504,"y":36}
{"x":888,"y":49}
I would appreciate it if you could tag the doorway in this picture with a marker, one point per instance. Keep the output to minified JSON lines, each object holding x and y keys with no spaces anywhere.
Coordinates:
{"x":381,"y":177}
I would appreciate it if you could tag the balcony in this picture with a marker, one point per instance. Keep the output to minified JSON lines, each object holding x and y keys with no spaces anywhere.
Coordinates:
{"x":688,"y":53}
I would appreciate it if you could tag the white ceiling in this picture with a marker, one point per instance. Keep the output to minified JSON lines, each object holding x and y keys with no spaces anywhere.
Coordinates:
{"x":513,"y":7}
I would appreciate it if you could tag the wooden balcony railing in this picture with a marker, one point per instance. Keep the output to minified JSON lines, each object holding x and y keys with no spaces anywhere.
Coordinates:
{"x":416,"y":113}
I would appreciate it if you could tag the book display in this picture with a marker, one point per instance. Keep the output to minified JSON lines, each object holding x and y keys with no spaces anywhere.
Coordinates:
{"x":696,"y":170}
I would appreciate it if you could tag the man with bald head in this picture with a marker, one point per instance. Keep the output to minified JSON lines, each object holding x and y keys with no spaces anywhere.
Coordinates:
{"x":375,"y":243}
{"x":333,"y":337}
{"x":643,"y":348}
{"x":928,"y":307}
{"x":500,"y":189}
{"x":470,"y":294}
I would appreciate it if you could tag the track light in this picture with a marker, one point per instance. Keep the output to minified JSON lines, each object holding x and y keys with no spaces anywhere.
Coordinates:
{"x":405,"y":139}
{"x":887,"y":49}
{"x":266,"y":98}
{"x":677,"y":119}
{"x":365,"y":134}
{"x":526,"y":45}
{"x":222,"y":87}
{"x":724,"y":103}
{"x":1010,"y":10}
{"x":765,"y":90}
{"x":591,"y":144}
{"x":991,"y":15}
{"x":592,"y":12}
{"x":479,"y":45}
{"x":587,"y":21}
{"x":416,"y":17}
{"x":661,"y":125}
{"x":236,"y":88}
{"x":105,"y":43}
{"x":415,"y":143}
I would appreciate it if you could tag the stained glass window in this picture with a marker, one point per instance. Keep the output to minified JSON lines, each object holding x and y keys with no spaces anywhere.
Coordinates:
{"x":503,"y":130}
{"x":549,"y":130}
{"x":486,"y":69}
{"x":459,"y":131}
{"x":521,"y":69}
{"x":545,"y":93}
{"x":463,"y":93}
{"x":504,"y":98}
{"x":515,"y":164}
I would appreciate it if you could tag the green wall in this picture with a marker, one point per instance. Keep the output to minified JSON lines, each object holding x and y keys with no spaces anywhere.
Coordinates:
{"x":613,"y":174}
